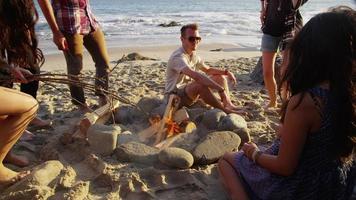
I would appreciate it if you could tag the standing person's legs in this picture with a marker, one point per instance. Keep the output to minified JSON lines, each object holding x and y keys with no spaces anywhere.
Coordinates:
{"x":74,"y":59}
{"x":285,"y":61}
{"x":17,"y":110}
{"x":269,"y":48}
{"x":95,"y":44}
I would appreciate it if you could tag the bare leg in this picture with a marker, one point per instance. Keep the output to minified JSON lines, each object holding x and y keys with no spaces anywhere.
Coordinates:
{"x":230,"y":178}
{"x":268,"y":59}
{"x":285,"y":61}
{"x":20,"y":109}
{"x":222,"y":81}
{"x":195,"y":89}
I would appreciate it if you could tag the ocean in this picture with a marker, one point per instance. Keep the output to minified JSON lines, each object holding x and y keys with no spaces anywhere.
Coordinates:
{"x":135,"y":22}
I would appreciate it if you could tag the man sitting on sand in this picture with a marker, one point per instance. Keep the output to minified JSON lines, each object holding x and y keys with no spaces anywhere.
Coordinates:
{"x":184,"y":79}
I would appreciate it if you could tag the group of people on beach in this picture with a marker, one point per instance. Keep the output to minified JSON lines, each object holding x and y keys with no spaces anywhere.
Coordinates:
{"x":313,"y":156}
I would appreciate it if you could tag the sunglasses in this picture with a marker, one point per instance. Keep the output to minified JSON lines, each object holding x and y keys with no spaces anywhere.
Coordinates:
{"x":193,"y":39}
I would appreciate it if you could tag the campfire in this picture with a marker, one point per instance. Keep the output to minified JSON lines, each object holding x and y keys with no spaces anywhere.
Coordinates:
{"x":163,"y":130}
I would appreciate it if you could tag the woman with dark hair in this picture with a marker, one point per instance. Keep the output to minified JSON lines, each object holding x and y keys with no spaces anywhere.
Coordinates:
{"x":17,"y":109}
{"x":20,"y":40}
{"x":314,"y":154}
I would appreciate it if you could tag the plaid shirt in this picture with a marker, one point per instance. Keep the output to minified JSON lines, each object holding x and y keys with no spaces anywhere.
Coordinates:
{"x":74,"y":16}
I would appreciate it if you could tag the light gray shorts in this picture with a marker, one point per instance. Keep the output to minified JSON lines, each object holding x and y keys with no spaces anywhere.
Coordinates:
{"x":270,"y":43}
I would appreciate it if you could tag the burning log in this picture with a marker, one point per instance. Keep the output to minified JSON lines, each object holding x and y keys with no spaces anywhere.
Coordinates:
{"x":98,"y":116}
{"x":173,"y":122}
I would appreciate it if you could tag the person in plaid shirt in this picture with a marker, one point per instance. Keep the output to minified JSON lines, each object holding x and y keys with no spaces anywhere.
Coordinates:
{"x":73,"y":26}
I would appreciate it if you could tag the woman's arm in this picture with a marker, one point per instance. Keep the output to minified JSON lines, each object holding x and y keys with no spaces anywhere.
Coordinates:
{"x":298,"y":123}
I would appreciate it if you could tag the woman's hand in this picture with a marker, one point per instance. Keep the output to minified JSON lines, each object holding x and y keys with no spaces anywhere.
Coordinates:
{"x":249,"y":148}
{"x":20,"y":74}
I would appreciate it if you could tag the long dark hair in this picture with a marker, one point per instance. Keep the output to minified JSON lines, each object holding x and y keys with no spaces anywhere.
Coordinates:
{"x":325,"y":51}
{"x":18,"y":42}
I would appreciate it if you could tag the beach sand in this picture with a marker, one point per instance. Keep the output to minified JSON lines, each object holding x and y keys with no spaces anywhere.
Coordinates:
{"x":81,"y":174}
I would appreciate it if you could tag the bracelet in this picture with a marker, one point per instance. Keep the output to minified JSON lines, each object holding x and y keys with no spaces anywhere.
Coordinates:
{"x":256,"y":154}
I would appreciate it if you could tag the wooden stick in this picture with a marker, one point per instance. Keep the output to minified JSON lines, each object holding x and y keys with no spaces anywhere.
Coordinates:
{"x":159,"y":135}
{"x":90,"y":119}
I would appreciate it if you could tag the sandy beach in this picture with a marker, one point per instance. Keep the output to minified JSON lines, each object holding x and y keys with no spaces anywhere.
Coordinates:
{"x":75,"y":170}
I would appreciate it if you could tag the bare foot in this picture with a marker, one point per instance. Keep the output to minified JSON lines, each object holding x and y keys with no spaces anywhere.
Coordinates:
{"x":9,"y":177}
{"x":27,"y":136}
{"x":40,"y":123}
{"x":18,"y":160}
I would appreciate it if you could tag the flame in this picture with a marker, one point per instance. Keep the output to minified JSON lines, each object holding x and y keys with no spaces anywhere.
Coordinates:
{"x":172,"y":128}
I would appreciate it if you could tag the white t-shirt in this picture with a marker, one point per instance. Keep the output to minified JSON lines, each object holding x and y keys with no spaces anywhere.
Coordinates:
{"x":179,"y":60}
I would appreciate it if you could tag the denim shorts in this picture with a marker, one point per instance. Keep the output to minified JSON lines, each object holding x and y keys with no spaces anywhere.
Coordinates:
{"x":270,"y":43}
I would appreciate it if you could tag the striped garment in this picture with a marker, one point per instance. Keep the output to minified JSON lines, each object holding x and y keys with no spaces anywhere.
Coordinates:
{"x":74,"y":16}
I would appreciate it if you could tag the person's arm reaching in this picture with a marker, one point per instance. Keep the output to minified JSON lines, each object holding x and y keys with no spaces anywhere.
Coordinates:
{"x":58,"y":37}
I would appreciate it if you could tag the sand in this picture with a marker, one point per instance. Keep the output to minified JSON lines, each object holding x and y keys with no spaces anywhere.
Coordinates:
{"x":89,"y":176}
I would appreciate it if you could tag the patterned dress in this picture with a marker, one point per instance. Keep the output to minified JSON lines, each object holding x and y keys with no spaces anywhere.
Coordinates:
{"x":317,"y":175}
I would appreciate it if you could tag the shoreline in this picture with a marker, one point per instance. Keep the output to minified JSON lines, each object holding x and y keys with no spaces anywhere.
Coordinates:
{"x":56,"y":61}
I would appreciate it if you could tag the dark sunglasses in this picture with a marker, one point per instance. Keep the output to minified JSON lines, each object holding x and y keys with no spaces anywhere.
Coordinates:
{"x":193,"y":39}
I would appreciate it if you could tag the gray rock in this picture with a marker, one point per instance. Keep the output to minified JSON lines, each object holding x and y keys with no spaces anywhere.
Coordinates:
{"x":231,"y":122}
{"x":186,"y":141}
{"x":102,"y":138}
{"x":148,"y":104}
{"x":196,"y":114}
{"x":214,"y":146}
{"x":41,"y":175}
{"x":128,"y":115}
{"x":244,"y":134}
{"x":212,"y":118}
{"x":158,"y":110}
{"x":176,"y":157}
{"x":136,"y":152}
{"x":126,"y":137}
{"x":170,"y":24}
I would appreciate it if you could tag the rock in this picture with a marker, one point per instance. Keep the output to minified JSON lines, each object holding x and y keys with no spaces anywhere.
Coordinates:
{"x":244,"y":134}
{"x":214,"y":146}
{"x":148,"y":104}
{"x":170,"y":24}
{"x":176,"y":157}
{"x":102,"y":138}
{"x":136,"y":152}
{"x":67,"y":178}
{"x":196,"y":114}
{"x":231,"y":122}
{"x":126,"y":137}
{"x":33,"y":192}
{"x":158,"y":110}
{"x":212,"y":118}
{"x":132,"y":57}
{"x":41,"y":175}
{"x":257,"y":73}
{"x":128,"y":115}
{"x":186,"y":141}
{"x":78,"y":192}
